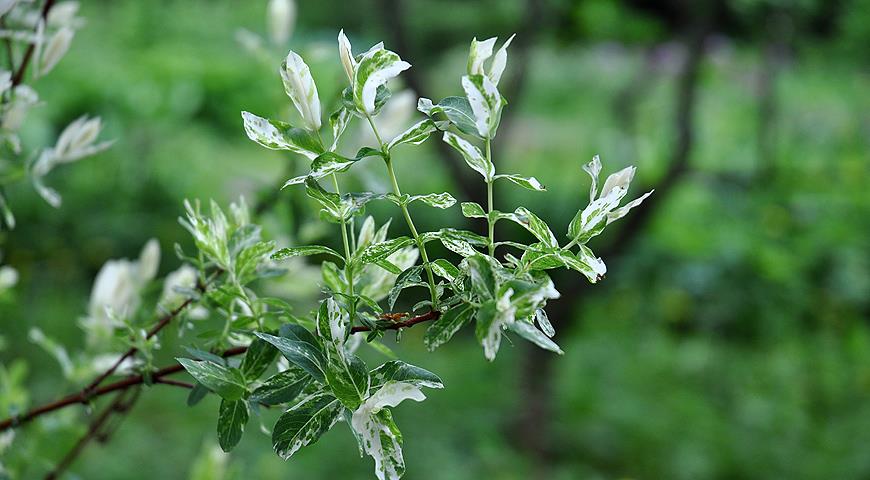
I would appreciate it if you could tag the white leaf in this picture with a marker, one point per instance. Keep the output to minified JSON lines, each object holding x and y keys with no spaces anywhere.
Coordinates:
{"x":280,"y":18}
{"x":301,"y":89}
{"x":345,"y":52}
{"x":480,"y":51}
{"x":593,"y":168}
{"x":56,"y":48}
{"x":500,"y":61}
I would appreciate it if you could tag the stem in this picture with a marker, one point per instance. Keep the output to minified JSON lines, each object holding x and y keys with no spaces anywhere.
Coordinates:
{"x":18,"y":76}
{"x":433,"y":292}
{"x":490,"y":224}
{"x":348,"y":270}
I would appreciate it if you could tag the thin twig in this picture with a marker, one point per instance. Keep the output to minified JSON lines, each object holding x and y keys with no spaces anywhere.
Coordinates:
{"x":18,"y":77}
{"x":163,"y":322}
{"x":122,"y":402}
{"x":176,"y":383}
{"x":83,"y":397}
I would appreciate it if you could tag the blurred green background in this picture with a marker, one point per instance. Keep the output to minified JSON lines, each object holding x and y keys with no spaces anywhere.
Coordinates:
{"x":730,"y":339}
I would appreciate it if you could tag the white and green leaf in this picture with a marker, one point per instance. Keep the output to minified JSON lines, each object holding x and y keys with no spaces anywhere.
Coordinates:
{"x":305,"y":422}
{"x":375,"y":68}
{"x":471,"y":155}
{"x":277,"y":135}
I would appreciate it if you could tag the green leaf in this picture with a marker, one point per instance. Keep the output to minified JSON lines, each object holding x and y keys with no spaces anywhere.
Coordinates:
{"x":437,"y":200}
{"x":348,"y":378}
{"x":530,"y":183}
{"x":288,"y":252}
{"x":197,"y":393}
{"x":457,"y":110}
{"x":482,"y":276}
{"x":409,"y":277}
{"x":324,"y":165}
{"x":379,"y":251}
{"x":415,"y":135}
{"x":532,"y":334}
{"x":346,"y":374}
{"x":303,"y":354}
{"x":330,"y":201}
{"x":232,"y":418}
{"x":282,"y":387}
{"x":444,"y":268}
{"x":471,"y":154}
{"x":399,"y":371}
{"x":226,"y":382}
{"x":536,"y":226}
{"x":258,"y":358}
{"x":486,"y":103}
{"x":304,"y":423}
{"x":277,"y":135}
{"x":443,"y":329}
{"x":472,"y":210}
{"x":375,"y":68}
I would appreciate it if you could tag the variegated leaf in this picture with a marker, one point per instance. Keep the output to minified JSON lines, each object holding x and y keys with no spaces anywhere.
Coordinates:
{"x":375,"y":68}
{"x":415,"y":135}
{"x":232,"y":418}
{"x":301,"y":89}
{"x":530,"y":183}
{"x":486,"y":103}
{"x":277,"y":135}
{"x":471,"y":154}
{"x":437,"y":200}
{"x":456,"y":109}
{"x":443,"y":329}
{"x":305,"y":422}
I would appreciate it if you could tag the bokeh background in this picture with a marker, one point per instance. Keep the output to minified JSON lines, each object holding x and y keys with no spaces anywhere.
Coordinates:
{"x":729,"y":340}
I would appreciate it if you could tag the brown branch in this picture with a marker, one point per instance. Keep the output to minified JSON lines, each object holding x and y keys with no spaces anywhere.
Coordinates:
{"x":174,"y":383}
{"x":84,"y":396}
{"x":163,"y":322}
{"x":121,"y":404}
{"x":432,"y":315}
{"x":18,"y":77}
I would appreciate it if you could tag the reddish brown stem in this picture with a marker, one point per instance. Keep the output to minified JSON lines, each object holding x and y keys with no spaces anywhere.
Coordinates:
{"x":18,"y":77}
{"x":122,"y":402}
{"x":163,"y":322}
{"x":86,"y":395}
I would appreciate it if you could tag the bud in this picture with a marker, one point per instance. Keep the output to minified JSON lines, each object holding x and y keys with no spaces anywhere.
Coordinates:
{"x":281,"y":18}
{"x":301,"y":89}
{"x":63,"y":14}
{"x":480,"y":52}
{"x":149,"y":261}
{"x":8,"y":277}
{"x":76,"y":137}
{"x":56,"y":49}
{"x":346,"y":54}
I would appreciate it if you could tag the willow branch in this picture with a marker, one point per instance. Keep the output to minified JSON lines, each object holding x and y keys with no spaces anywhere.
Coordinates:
{"x":18,"y":77}
{"x":121,"y":404}
{"x":84,"y":396}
